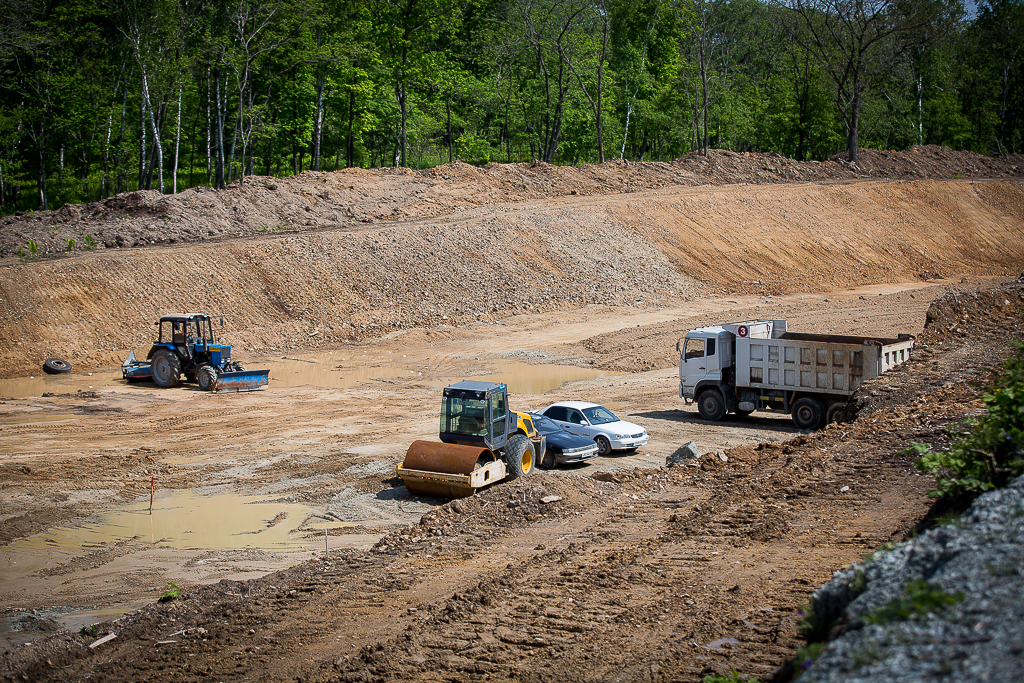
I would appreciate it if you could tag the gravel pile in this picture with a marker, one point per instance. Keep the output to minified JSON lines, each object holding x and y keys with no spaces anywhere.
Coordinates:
{"x":965,"y":623}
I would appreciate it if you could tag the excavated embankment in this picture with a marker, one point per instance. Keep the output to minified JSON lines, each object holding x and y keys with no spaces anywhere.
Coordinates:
{"x":648,"y":247}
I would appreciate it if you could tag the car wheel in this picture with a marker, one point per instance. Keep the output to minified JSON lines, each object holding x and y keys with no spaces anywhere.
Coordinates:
{"x":56,"y":366}
{"x":808,"y":413}
{"x":548,"y":461}
{"x":166,"y":368}
{"x":604,"y":447}
{"x":711,"y":405}
{"x":518,"y":456}
{"x":206,"y":378}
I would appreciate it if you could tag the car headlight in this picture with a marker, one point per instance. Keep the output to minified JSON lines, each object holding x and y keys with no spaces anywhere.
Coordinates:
{"x":620,"y":436}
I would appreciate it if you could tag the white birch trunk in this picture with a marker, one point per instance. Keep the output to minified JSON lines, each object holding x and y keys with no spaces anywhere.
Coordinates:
{"x":156,"y":132}
{"x":177,"y":142}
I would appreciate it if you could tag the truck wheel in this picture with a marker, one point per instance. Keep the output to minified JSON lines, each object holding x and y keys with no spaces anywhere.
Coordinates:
{"x":711,"y":405}
{"x":166,"y":368}
{"x":206,"y":378}
{"x":808,"y":413}
{"x":835,"y":413}
{"x":518,"y":456}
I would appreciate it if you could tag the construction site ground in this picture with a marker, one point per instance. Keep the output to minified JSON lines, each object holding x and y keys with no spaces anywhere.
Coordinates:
{"x":300,"y":556}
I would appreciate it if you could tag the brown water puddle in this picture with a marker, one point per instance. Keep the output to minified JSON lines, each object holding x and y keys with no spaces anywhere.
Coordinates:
{"x":186,"y":520}
{"x":339,"y":370}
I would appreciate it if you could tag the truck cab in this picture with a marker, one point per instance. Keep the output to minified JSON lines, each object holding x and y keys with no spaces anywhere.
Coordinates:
{"x":703,"y":355}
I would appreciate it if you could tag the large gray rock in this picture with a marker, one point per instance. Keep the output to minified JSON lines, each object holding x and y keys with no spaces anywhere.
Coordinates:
{"x":979,"y":638}
{"x":686,"y":453}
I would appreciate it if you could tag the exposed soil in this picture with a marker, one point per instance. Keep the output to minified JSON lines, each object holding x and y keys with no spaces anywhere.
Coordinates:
{"x":353,"y":197}
{"x":620,"y":569}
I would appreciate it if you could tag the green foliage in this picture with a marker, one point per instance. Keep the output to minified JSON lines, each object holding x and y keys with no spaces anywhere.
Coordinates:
{"x":33,"y":248}
{"x":90,"y":92}
{"x":90,"y":243}
{"x":874,"y":554}
{"x":71,"y":244}
{"x":732,"y":677}
{"x":990,"y":450}
{"x":919,"y":599}
{"x":170,"y":594}
{"x":806,"y":656}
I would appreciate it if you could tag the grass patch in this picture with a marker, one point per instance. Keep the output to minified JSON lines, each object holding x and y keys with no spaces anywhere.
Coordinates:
{"x":919,"y":599}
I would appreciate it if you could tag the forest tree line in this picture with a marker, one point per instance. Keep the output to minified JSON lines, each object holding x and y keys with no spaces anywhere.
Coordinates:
{"x":106,"y":96}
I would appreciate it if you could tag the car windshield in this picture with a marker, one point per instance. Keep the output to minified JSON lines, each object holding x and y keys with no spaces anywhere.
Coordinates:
{"x":599,"y":415}
{"x":544,"y":425}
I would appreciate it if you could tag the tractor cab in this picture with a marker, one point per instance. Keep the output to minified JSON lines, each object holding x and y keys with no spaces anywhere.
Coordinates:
{"x":191,"y":337}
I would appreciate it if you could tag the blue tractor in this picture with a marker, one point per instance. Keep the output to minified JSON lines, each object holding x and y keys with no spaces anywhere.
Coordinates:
{"x":186,"y":345}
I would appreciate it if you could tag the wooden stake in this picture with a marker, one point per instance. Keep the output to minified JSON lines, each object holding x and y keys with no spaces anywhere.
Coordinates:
{"x":152,"y":484}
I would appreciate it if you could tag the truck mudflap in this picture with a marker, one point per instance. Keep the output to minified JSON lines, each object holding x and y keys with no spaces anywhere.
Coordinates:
{"x":242,"y":380}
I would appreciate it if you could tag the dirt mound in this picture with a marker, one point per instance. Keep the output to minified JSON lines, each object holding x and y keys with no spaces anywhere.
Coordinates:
{"x":353,"y":198}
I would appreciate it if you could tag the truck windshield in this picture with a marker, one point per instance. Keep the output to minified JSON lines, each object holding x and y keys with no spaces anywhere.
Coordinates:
{"x":467,"y":416}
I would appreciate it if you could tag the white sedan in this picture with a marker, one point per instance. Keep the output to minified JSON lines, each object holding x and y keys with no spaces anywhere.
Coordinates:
{"x":597,"y":423}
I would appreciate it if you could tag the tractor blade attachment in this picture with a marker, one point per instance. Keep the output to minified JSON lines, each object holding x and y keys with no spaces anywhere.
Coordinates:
{"x":242,"y":380}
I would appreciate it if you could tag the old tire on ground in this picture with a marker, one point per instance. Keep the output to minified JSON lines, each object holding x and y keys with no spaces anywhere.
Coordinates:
{"x":808,"y":413}
{"x":56,"y":366}
{"x":518,"y":456}
{"x":836,"y":413}
{"x":206,"y":378}
{"x":711,"y":405}
{"x":604,"y":447}
{"x":166,"y":368}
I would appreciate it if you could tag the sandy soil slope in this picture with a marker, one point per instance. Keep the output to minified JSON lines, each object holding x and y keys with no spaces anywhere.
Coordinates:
{"x":645,"y":249}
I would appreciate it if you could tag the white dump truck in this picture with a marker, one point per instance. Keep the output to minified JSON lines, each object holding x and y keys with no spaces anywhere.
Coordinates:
{"x":760,"y":365}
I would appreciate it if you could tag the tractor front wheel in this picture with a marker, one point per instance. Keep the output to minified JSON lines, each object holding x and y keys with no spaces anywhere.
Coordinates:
{"x":166,"y":368}
{"x":206,"y":378}
{"x":518,"y":456}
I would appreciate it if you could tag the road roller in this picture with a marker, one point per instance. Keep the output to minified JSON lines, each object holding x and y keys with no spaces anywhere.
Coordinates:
{"x":481,"y":442}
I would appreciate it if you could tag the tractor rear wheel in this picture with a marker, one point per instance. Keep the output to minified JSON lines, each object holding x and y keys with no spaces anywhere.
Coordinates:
{"x":518,"y":456}
{"x":206,"y":378}
{"x":166,"y":368}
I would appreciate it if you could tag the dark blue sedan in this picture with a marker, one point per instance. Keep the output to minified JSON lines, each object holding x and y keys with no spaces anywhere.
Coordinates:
{"x":563,"y":448}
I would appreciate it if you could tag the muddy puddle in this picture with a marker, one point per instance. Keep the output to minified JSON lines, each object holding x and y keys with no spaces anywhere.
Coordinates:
{"x":337,"y":370}
{"x":186,"y":520}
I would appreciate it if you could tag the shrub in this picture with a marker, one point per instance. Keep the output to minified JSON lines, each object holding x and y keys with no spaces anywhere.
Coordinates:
{"x":989,"y":453}
{"x":918,"y":600}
